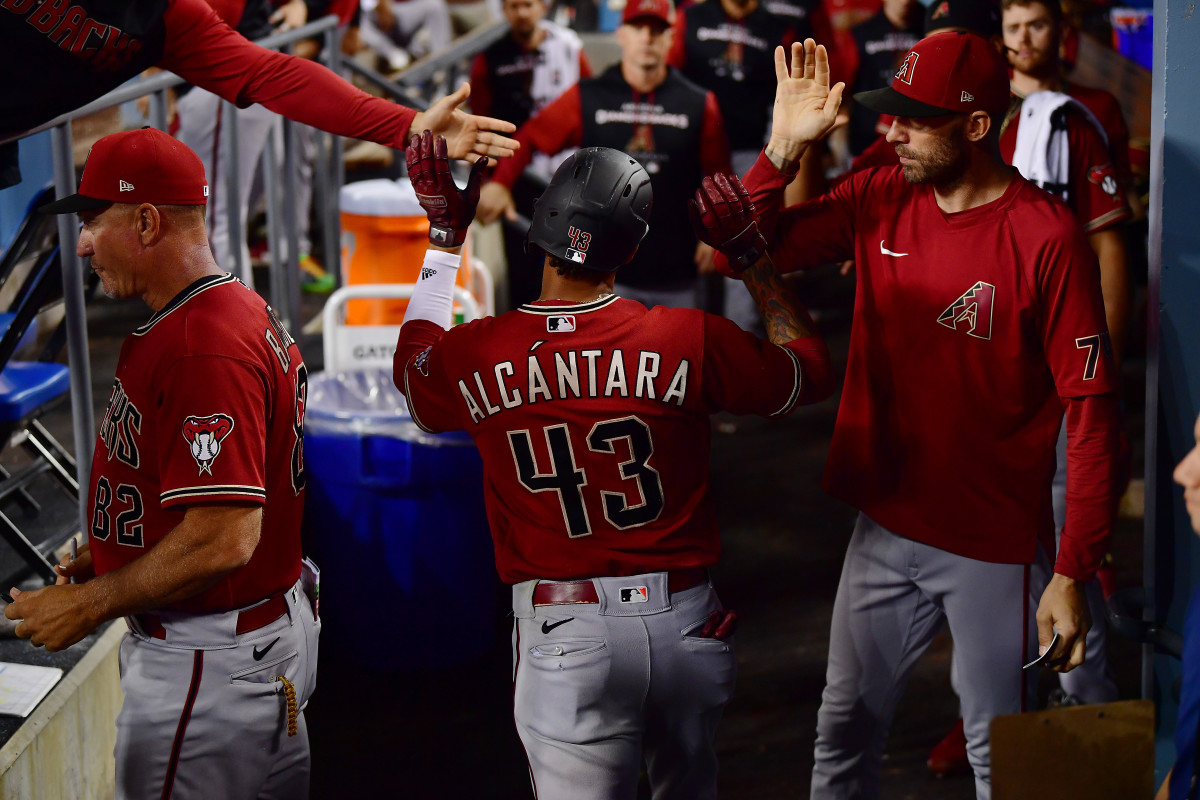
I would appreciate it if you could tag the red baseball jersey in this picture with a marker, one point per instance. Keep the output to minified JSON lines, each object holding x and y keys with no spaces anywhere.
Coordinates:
{"x":1096,"y":192}
{"x":207,"y":407}
{"x":592,"y":420}
{"x":968,"y":328}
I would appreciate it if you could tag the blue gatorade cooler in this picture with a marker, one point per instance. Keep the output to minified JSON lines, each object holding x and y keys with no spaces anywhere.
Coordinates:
{"x":395,"y":518}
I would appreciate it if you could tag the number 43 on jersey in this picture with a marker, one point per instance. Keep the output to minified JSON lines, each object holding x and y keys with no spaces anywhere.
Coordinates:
{"x":639,"y":481}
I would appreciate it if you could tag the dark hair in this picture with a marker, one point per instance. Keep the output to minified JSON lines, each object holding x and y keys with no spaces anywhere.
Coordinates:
{"x":574,"y":272}
{"x":1051,"y":6}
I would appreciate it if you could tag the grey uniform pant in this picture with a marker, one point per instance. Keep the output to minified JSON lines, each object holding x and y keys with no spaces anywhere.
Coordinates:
{"x":204,"y":716}
{"x":598,"y":687}
{"x":893,"y":596}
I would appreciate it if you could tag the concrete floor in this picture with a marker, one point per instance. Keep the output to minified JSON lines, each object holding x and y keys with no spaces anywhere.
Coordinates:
{"x":449,"y":731}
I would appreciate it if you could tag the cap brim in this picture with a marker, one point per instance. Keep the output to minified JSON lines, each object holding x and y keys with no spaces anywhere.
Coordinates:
{"x":888,"y":101}
{"x":73,"y":204}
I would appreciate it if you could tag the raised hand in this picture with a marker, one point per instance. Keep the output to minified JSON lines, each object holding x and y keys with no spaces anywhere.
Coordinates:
{"x":467,"y":136}
{"x":450,"y":209}
{"x":724,"y":218}
{"x":806,"y":106}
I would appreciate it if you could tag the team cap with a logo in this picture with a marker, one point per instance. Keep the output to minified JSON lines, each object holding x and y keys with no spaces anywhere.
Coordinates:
{"x":977,"y":16}
{"x":647,"y":9}
{"x":944,"y":73}
{"x":142,"y":166}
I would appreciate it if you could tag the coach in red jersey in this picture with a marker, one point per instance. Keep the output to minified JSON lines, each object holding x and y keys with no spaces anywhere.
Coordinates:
{"x":591,"y":414}
{"x":643,"y":107}
{"x":978,"y":319}
{"x":72,"y":52}
{"x":196,"y":496}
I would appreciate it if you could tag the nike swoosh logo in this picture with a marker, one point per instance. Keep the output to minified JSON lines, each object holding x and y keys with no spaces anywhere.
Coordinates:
{"x":887,"y":252}
{"x":258,"y":654}
{"x":547,"y":627}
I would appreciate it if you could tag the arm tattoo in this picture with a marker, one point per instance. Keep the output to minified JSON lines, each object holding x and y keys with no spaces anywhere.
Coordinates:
{"x":785,"y":317}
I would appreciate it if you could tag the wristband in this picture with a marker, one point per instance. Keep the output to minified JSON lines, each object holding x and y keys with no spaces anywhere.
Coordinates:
{"x":433,"y":296}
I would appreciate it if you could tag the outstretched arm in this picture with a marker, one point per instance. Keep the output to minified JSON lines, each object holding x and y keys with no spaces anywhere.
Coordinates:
{"x":724,"y":218}
{"x":806,"y":105}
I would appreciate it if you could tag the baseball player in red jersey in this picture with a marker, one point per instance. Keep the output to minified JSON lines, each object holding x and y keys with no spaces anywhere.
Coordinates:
{"x":197,"y":493}
{"x":978,"y":319}
{"x":591,"y":414}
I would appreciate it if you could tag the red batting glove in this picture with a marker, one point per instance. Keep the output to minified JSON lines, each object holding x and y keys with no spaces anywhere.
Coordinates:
{"x":450,"y":209}
{"x":724,"y":218}
{"x":720,"y":625}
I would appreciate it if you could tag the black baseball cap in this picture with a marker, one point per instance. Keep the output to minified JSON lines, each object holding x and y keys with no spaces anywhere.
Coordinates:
{"x":981,"y":17}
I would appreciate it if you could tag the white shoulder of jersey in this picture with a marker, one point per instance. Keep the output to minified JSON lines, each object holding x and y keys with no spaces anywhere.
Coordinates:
{"x":562,"y":34}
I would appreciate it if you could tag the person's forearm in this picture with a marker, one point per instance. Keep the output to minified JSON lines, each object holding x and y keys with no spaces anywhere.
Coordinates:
{"x":1092,"y":430}
{"x":785,"y":317}
{"x":207,"y":545}
{"x":785,"y":154}
{"x":1115,"y":283}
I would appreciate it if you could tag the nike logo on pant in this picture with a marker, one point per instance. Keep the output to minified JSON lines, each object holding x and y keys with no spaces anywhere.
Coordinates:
{"x":887,"y":252}
{"x":547,"y":627}
{"x":258,"y":654}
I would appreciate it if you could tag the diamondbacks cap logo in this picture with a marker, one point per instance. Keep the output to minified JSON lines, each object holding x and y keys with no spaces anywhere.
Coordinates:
{"x":973,"y":310}
{"x":634,"y":594}
{"x":565,"y":324}
{"x":205,"y":435}
{"x":905,"y":73}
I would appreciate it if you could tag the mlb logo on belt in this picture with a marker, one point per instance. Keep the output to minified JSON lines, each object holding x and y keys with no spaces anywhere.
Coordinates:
{"x":634,"y":594}
{"x":564,"y":324}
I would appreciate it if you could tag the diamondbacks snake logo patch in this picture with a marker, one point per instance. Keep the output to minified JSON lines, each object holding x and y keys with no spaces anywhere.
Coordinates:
{"x":204,"y":435}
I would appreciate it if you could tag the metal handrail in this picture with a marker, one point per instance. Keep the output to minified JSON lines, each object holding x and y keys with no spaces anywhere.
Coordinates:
{"x":65,"y":184}
{"x":463,"y":47}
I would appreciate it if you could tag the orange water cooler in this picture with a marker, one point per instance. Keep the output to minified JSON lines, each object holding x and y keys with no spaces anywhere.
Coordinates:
{"x":384,"y":237}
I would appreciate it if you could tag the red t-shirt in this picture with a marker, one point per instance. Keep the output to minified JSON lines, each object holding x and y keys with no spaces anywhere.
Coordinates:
{"x":1095,"y":193}
{"x":207,"y":407}
{"x":592,"y":420}
{"x":968,"y":328}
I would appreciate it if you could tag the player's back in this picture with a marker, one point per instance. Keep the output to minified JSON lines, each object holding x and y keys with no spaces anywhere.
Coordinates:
{"x":592,"y":421}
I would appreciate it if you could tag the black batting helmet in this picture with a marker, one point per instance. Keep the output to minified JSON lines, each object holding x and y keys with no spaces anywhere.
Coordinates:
{"x":594,"y":212}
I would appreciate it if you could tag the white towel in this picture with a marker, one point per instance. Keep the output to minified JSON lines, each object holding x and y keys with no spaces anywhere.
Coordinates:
{"x":1042,"y":152}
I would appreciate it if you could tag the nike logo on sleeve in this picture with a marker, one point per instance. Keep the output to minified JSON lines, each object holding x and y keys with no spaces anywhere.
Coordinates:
{"x":887,"y":252}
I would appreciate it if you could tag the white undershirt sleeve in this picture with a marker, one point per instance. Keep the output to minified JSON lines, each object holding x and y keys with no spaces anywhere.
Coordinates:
{"x":433,"y":297}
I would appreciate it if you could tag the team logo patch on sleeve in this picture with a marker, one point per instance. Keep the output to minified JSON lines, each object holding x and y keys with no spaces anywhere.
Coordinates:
{"x":1105,"y":177}
{"x":205,"y":435}
{"x":421,"y":362}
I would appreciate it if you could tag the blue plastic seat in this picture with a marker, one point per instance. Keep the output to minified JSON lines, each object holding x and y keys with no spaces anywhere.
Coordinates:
{"x":26,"y":386}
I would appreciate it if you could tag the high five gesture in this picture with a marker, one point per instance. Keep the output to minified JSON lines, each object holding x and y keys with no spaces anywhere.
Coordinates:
{"x":805,"y":104}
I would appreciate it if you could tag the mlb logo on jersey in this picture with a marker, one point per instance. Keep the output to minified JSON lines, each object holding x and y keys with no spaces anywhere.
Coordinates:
{"x":205,"y":435}
{"x":634,"y":594}
{"x":560,"y":324}
{"x":905,"y":73}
